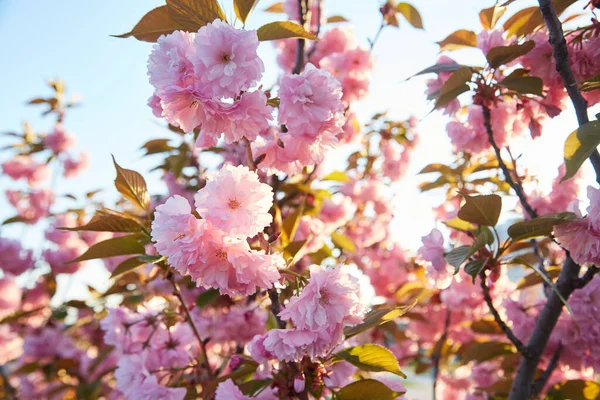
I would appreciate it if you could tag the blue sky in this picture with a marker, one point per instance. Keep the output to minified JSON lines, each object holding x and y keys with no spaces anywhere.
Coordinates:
{"x":69,"y":39}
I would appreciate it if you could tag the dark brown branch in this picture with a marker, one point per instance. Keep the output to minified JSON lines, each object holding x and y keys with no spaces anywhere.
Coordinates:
{"x":437,"y":354}
{"x":276,"y":307}
{"x":556,"y":38}
{"x":505,"y":328}
{"x":177,"y":293}
{"x":516,"y":186}
{"x":372,"y":42}
{"x":546,"y":322}
{"x":316,"y":42}
{"x":301,"y":43}
{"x":540,"y":382}
{"x":587,"y":277}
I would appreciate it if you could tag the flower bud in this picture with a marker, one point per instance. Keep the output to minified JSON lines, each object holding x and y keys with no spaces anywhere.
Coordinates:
{"x":235,"y":362}
{"x":299,"y":383}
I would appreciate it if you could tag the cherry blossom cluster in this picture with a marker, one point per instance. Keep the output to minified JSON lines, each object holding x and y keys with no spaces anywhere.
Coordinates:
{"x":214,"y":250}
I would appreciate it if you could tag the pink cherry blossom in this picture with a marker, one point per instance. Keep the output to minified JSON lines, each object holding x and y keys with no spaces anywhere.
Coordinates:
{"x":10,"y":300}
{"x":169,"y":63}
{"x":11,"y":343}
{"x":229,"y":265}
{"x":593,"y":209}
{"x":330,"y":298}
{"x":59,"y":140}
{"x":73,"y":167}
{"x":432,"y":255}
{"x":177,"y":234}
{"x":25,"y":167}
{"x":14,"y":259}
{"x":309,"y":100}
{"x":31,"y":206}
{"x":228,"y":391}
{"x":226,"y":60}
{"x":582,"y":242}
{"x":486,"y":40}
{"x":235,"y":201}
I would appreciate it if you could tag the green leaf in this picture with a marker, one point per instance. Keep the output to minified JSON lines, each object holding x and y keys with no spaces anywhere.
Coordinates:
{"x":119,"y":246}
{"x":127,"y":266}
{"x":456,"y":257}
{"x":207,"y":297}
{"x":275,"y":8}
{"x":343,"y":242}
{"x":336,"y":18}
{"x":250,"y":388}
{"x":294,"y":248}
{"x":474,"y":267}
{"x":458,"y":40}
{"x":291,"y":222}
{"x":481,"y":210}
{"x":541,"y":226}
{"x":371,"y":358}
{"x":501,"y":55}
{"x":411,"y":14}
{"x":483,"y":351}
{"x":460,"y":225}
{"x":337,"y":176}
{"x":527,"y":20}
{"x":375,"y":318}
{"x":590,"y":84}
{"x":108,"y":223}
{"x":534,"y":278}
{"x":156,"y":146}
{"x":454,"y":86}
{"x":524,"y":85}
{"x":436,"y":167}
{"x":155,"y":23}
{"x":283,"y":30}
{"x":576,"y":389}
{"x":548,"y":281}
{"x":367,"y":389}
{"x":486,"y":326}
{"x":12,"y":220}
{"x":579,"y":146}
{"x":132,"y":186}
{"x":243,"y":8}
{"x":437,"y":68}
{"x":194,"y":14}
{"x":490,"y":16}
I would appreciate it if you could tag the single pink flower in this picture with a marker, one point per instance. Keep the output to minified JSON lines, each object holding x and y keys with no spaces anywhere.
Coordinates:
{"x":25,"y":167}
{"x":226,"y":60}
{"x":169,"y":63}
{"x":330,"y":298}
{"x":14,"y":259}
{"x":235,"y":201}
{"x":432,"y":255}
{"x":228,"y":391}
{"x":59,"y":140}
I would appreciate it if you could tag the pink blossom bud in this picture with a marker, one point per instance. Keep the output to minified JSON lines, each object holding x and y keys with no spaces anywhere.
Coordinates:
{"x":235,"y":362}
{"x":299,"y":383}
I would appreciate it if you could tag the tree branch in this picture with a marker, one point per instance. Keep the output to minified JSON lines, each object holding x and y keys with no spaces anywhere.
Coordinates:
{"x":177,"y":293}
{"x":540,"y":382}
{"x":546,"y":322}
{"x":505,"y":328}
{"x":516,"y":186}
{"x":587,"y":277}
{"x":556,"y":38}
{"x":435,"y":357}
{"x":276,"y":307}
{"x":299,"y":64}
{"x":251,"y":163}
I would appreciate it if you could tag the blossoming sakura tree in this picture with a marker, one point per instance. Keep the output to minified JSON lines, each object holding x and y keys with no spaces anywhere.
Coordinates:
{"x":252,"y":277}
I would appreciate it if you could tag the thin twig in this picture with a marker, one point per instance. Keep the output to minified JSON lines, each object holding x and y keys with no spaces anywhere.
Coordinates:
{"x":587,"y":277}
{"x":301,"y":43}
{"x":436,"y":356}
{"x":372,"y":42}
{"x":487,"y":120}
{"x":251,"y":163}
{"x":276,"y":307}
{"x":177,"y":293}
{"x":316,"y":42}
{"x":505,"y":328}
{"x":540,"y":382}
